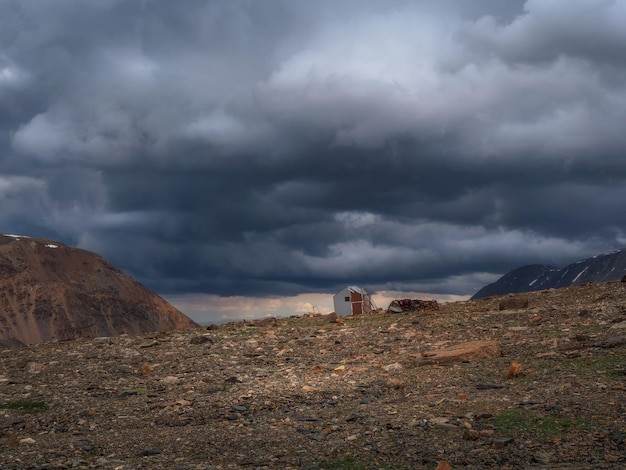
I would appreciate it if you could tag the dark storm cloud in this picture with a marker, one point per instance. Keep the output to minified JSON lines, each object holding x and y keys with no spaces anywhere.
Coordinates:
{"x":279,"y":147}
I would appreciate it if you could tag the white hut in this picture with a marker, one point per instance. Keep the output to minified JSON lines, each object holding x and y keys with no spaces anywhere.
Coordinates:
{"x":353,"y":300}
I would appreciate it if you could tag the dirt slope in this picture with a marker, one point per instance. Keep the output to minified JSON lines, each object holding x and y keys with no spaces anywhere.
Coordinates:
{"x":307,"y":393}
{"x":51,"y":291}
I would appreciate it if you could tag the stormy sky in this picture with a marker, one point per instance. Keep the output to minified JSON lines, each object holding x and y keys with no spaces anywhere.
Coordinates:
{"x":240,"y":149}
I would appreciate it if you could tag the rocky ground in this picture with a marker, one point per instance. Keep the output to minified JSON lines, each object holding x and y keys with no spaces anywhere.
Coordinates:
{"x":382,"y":391}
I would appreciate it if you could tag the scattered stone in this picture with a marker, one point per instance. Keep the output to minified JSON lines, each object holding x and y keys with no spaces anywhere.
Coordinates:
{"x":542,"y":457}
{"x":299,"y":417}
{"x":471,"y":435}
{"x":463,"y":352}
{"x":34,"y":368}
{"x":487,"y":386}
{"x":392,"y":367}
{"x":502,"y":442}
{"x":202,"y":339}
{"x":515,"y":370}
{"x":440,"y":420}
{"x":395,"y":383}
{"x":162,"y":336}
{"x":513,"y":303}
{"x":549,"y":354}
{"x":27,"y":440}
{"x":265,"y":322}
{"x":130,"y":391}
{"x":529,"y":403}
{"x":149,"y":452}
{"x":430,"y":396}
{"x":170,"y":380}
{"x":612,"y":342}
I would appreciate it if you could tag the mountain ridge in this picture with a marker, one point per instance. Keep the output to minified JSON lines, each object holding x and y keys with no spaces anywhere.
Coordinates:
{"x":534,"y":277}
{"x":50,"y":291}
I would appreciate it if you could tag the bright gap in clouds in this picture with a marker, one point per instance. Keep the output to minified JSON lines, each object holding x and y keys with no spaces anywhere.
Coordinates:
{"x":207,"y":309}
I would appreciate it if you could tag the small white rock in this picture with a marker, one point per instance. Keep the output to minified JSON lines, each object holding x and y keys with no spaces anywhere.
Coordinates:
{"x":619,"y":326}
{"x":170,"y":380}
{"x":394,"y":366}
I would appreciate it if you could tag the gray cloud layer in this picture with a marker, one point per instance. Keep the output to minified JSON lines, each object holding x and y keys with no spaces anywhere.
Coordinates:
{"x":278,"y":147}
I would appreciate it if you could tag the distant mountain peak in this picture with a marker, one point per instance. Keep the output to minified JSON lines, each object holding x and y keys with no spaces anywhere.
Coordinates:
{"x":533,"y":277}
{"x":49,"y":290}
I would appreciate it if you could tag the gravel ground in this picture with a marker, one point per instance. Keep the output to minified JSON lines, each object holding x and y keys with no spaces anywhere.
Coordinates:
{"x":312,"y":393}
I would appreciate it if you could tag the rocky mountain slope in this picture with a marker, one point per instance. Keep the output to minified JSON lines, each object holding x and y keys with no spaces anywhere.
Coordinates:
{"x":535,"y":277}
{"x":51,"y":291}
{"x":532,"y":381}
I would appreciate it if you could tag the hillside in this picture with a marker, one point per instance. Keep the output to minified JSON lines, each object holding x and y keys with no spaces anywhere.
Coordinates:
{"x":536,"y":277}
{"x":541,"y":387}
{"x":51,"y":291}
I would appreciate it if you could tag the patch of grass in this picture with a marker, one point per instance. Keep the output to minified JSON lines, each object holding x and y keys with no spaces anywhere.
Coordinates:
{"x":526,"y":423}
{"x":9,"y":389}
{"x":611,"y":365}
{"x":26,"y":406}
{"x":590,"y":328}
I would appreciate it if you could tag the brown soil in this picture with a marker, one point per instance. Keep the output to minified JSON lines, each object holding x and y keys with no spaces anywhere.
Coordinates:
{"x":308,"y":393}
{"x":51,"y":291}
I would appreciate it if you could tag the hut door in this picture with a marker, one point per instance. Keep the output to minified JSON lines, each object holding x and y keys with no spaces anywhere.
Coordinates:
{"x":356,"y":300}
